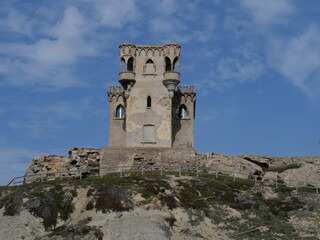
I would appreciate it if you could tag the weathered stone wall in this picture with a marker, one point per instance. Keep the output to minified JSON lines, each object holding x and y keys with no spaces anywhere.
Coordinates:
{"x":86,"y":160}
{"x":157,"y":116}
{"x":44,"y":164}
{"x":83,"y":157}
{"x":147,"y":156}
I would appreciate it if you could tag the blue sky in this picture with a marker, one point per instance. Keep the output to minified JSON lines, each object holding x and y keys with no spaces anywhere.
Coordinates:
{"x":255,"y":65}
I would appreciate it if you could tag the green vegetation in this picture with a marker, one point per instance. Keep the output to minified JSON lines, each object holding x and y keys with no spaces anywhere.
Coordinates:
{"x":209,"y":196}
{"x":93,"y":164}
{"x":79,"y":231}
{"x":90,"y":192}
{"x":62,"y":202}
{"x":74,"y":193}
{"x":284,"y":168}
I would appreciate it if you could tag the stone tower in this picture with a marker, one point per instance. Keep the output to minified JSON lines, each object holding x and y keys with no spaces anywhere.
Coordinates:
{"x":150,"y":116}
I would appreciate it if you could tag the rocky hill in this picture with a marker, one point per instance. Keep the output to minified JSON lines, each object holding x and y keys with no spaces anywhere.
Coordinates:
{"x":157,"y":207}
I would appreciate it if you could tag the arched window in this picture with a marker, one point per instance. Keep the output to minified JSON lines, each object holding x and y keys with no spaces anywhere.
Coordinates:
{"x":175,"y":63}
{"x":149,"y":68}
{"x":120,"y":112}
{"x":130,"y":64}
{"x":123,"y":65}
{"x":183,"y":113}
{"x":168,"y":64}
{"x":149,"y":101}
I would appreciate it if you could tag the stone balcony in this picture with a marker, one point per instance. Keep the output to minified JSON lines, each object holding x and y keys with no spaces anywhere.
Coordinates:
{"x":127,"y":78}
{"x":171,"y":80}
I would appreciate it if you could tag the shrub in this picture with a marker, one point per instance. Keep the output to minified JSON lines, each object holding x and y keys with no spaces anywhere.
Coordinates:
{"x":284,"y":168}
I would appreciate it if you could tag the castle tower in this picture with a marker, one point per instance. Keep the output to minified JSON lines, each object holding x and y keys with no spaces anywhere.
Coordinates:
{"x":150,"y":111}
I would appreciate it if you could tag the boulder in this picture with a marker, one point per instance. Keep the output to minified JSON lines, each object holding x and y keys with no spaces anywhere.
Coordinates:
{"x":270,"y":176}
{"x":230,"y":164}
{"x":306,"y":174}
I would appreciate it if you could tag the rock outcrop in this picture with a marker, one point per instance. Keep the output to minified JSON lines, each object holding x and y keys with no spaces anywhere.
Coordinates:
{"x":84,"y":160}
{"x":296,"y":171}
{"x":232,"y":164}
{"x":306,"y":173}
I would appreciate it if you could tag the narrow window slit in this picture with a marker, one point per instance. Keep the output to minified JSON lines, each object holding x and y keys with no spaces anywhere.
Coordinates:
{"x":149,"y":102}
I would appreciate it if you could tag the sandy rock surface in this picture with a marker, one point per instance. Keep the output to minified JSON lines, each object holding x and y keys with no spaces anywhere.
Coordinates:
{"x":306,"y":173}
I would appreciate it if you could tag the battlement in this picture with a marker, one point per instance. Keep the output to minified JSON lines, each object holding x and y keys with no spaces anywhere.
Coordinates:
{"x":130,"y":49}
{"x":115,"y":93}
{"x":186,"y":89}
{"x":187,"y":92}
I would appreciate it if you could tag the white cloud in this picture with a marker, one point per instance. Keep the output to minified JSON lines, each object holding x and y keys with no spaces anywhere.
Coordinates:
{"x":16,"y":22}
{"x":64,"y":43}
{"x":116,"y":13}
{"x":37,"y":128}
{"x":68,"y":110}
{"x":21,"y":72}
{"x":238,"y":66}
{"x":167,"y":7}
{"x":299,"y":60}
{"x":267,"y":12}
{"x":57,"y":43}
{"x":44,"y":62}
{"x":38,"y":121}
{"x":296,"y":57}
{"x":14,"y":162}
{"x":172,"y":21}
{"x":234,"y":69}
{"x":165,"y":25}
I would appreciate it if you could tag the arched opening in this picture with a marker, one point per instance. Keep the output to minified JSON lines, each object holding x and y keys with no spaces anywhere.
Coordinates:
{"x":149,"y":67}
{"x":120,"y":112}
{"x":183,"y":113}
{"x":149,"y":102}
{"x":175,"y":61}
{"x":123,"y":65}
{"x":130,"y":64}
{"x":168,"y":64}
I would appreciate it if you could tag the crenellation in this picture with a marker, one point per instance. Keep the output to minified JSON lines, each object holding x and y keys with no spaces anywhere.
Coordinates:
{"x":129,"y":49}
{"x":115,"y":93}
{"x":186,"y":93}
